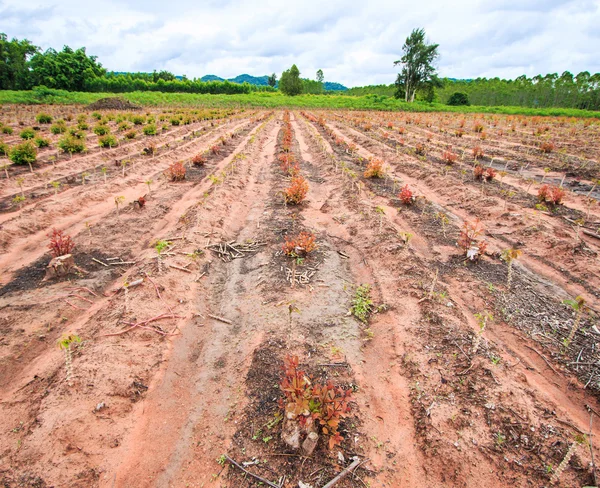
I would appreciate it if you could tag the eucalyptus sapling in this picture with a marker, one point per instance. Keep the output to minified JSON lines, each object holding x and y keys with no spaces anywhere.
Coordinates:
{"x":160,"y":246}
{"x":509,"y":255}
{"x":65,"y":343}
{"x":56,"y":186}
{"x":119,"y":201}
{"x":381,"y":213}
{"x":20,"y":182}
{"x":580,"y":308}
{"x":482,"y":320}
{"x":104,"y":170}
{"x":149,"y":182}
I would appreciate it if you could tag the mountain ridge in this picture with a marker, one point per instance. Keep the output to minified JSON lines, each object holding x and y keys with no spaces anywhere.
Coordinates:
{"x":264,"y":81}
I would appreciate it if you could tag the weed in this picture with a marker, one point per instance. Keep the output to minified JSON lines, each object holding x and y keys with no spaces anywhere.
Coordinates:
{"x":362,"y":304}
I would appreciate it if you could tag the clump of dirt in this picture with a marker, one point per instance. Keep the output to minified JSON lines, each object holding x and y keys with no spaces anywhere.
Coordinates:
{"x":113,"y":103}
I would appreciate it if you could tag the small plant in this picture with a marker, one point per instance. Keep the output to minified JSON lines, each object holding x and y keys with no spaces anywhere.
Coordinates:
{"x":18,"y":200}
{"x":362,"y":304}
{"x":7,"y":130}
{"x":61,"y":244}
{"x":551,"y":194}
{"x":176,"y":172}
{"x":43,"y":118}
{"x":3,"y":148}
{"x":119,"y":200}
{"x":27,"y":134}
{"x":58,"y":128}
{"x":215,"y":149}
{"x":547,"y":147}
{"x":149,"y":182}
{"x":138,"y":120}
{"x":449,"y":157}
{"x":299,"y":247}
{"x":41,"y":142}
{"x":101,"y":130}
{"x":375,"y":169}
{"x":509,"y":255}
{"x":82,"y":126}
{"x":150,"y":130}
{"x":199,"y":160}
{"x":71,"y":145}
{"x":482,"y":320}
{"x":406,"y":195}
{"x":108,"y":140}
{"x":65,"y":343}
{"x":130,"y":134}
{"x":579,"y":306}
{"x":420,"y":149}
{"x":478,"y":127}
{"x":56,"y":186}
{"x":481,"y":173}
{"x":469,"y":242}
{"x":24,"y":153}
{"x":297,"y":191}
{"x":477,"y":152}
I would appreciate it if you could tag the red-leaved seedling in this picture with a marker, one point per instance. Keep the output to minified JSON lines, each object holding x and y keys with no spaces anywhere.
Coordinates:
{"x":302,"y":245}
{"x":375,"y":169}
{"x":449,"y":157}
{"x":406,"y":195}
{"x":296,"y":192}
{"x":199,"y":160}
{"x":551,"y":194}
{"x":547,"y":147}
{"x":176,"y":172}
{"x":61,"y":244}
{"x":469,"y":242}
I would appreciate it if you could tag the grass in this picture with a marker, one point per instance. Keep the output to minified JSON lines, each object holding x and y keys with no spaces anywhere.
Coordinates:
{"x":272,"y":100}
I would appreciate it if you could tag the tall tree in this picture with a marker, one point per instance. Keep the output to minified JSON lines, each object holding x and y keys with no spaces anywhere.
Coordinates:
{"x":290,"y":82}
{"x":417,"y":64}
{"x":320,"y":76}
{"x":14,"y":56}
{"x":272,"y":80}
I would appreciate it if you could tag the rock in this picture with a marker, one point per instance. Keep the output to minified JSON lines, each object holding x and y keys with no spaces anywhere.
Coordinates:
{"x":59,"y":267}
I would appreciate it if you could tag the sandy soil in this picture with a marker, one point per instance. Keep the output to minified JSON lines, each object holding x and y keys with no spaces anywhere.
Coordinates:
{"x":184,"y":368}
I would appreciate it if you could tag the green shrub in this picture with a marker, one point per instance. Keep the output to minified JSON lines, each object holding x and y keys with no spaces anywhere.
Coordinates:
{"x":175,"y":121}
{"x":101,"y":130}
{"x":27,"y":134}
{"x":131,"y":134}
{"x":124,"y":126}
{"x":138,"y":119}
{"x":41,"y":142}
{"x":458,"y":98}
{"x":7,"y":130}
{"x":24,"y":153}
{"x":150,"y":130}
{"x":97,"y":115}
{"x":71,"y":145}
{"x":3,"y":148}
{"x":82,"y":118}
{"x":43,"y":118}
{"x":58,"y":128}
{"x":83,"y":126}
{"x":108,"y":141}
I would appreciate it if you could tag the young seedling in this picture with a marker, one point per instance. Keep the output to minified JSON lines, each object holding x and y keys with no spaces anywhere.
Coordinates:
{"x":160,"y":246}
{"x":291,"y":310}
{"x":546,"y":171}
{"x":362,"y":304}
{"x":509,"y":255}
{"x":84,"y":175}
{"x":5,"y":168}
{"x":18,"y":200}
{"x":104,"y":170}
{"x":595,"y":183}
{"x":444,"y":220}
{"x":20,"y":182}
{"x":119,"y":201}
{"x":65,"y":343}
{"x":149,"y":182}
{"x":580,"y":308}
{"x":482,"y":320}
{"x":56,"y":186}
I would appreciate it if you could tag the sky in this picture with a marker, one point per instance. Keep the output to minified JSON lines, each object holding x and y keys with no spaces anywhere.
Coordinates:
{"x":354,"y":42}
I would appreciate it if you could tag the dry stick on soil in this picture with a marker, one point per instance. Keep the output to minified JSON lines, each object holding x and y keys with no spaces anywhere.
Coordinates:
{"x":143,"y":324}
{"x":344,"y":473}
{"x":266,"y":482}
{"x":220,"y":319}
{"x":542,"y":356}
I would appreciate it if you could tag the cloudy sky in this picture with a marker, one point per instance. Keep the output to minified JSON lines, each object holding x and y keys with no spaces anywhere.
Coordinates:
{"x":353,"y":42}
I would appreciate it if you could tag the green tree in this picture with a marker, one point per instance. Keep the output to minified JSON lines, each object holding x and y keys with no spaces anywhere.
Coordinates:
{"x":14,"y":57}
{"x":272,"y":80}
{"x":320,"y":76}
{"x":417,"y":61}
{"x":290,"y":82}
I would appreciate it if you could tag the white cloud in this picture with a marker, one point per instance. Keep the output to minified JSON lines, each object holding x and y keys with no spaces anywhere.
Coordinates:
{"x":354,"y":42}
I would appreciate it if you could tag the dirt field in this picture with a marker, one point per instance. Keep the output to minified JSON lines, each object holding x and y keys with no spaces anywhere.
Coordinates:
{"x":185,"y":308}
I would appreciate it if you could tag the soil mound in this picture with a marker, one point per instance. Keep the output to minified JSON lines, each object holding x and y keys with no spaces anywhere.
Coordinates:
{"x":113,"y":103}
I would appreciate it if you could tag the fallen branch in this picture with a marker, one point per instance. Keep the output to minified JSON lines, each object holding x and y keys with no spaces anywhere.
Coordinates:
{"x":144,"y":324}
{"x":344,"y":473}
{"x":100,"y":262}
{"x":220,"y":319}
{"x":179,"y":268}
{"x":542,"y":356}
{"x":266,"y":482}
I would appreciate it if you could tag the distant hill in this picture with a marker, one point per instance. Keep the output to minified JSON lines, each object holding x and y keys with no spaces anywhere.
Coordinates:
{"x":264,"y":81}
